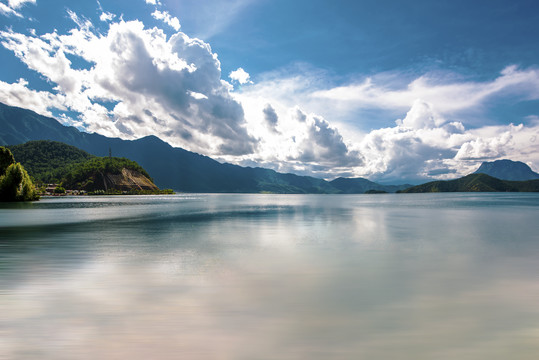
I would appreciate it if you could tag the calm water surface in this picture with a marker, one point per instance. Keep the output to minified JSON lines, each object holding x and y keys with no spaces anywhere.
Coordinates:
{"x":410,"y":276}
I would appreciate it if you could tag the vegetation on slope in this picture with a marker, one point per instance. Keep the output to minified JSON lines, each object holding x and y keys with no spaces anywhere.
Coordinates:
{"x":15,"y":184}
{"x":170,"y":167}
{"x":75,"y":169}
{"x":92,"y":174}
{"x":46,"y":161}
{"x":476,"y":183}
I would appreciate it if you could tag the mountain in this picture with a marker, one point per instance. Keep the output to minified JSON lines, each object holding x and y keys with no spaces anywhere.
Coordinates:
{"x":55,"y":162}
{"x":361,"y":185}
{"x":507,"y":170}
{"x":108,"y":174}
{"x":476,"y":183}
{"x":173,"y":168}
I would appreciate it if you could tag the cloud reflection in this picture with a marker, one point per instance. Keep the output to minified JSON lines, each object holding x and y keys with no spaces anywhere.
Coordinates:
{"x":352,"y":279}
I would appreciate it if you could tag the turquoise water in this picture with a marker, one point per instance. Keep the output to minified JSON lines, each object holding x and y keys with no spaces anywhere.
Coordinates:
{"x":396,"y":276}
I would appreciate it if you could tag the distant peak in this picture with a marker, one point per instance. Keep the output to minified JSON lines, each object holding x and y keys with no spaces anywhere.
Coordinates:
{"x":506,"y":169}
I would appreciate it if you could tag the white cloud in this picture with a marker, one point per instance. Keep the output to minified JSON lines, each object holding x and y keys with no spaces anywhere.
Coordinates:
{"x":421,"y":116}
{"x":106,"y":16}
{"x":435,"y":148}
{"x":290,"y":140}
{"x":82,"y":22}
{"x":169,"y":87}
{"x":424,"y":144}
{"x":447,"y":96}
{"x":413,"y":148}
{"x":297,"y":121}
{"x":427,"y":141}
{"x":18,"y":94}
{"x":484,"y":149}
{"x":240,"y":76}
{"x":153,"y":2}
{"x":167,"y":19}
{"x":7,"y":11}
{"x":15,"y":4}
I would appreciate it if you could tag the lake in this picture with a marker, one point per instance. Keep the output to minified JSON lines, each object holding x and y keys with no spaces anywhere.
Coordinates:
{"x":188,"y":276}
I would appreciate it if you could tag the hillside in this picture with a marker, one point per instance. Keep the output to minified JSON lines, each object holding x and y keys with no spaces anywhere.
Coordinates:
{"x":170,"y":167}
{"x":507,"y":170}
{"x":476,"y":183}
{"x":46,"y":161}
{"x":56,"y":162}
{"x":107,"y":174}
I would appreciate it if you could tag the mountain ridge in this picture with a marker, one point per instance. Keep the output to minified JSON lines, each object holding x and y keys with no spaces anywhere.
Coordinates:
{"x":171,"y":167}
{"x":507,"y":170}
{"x":475,"y":183}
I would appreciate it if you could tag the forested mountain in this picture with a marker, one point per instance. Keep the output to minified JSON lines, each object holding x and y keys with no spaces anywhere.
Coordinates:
{"x":75,"y":169}
{"x":46,"y":161}
{"x":107,"y":174}
{"x":170,"y":167}
{"x":476,"y":183}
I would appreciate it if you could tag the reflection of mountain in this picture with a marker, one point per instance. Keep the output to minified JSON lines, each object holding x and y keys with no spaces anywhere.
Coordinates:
{"x":507,"y":170}
{"x":170,"y":167}
{"x":476,"y":183}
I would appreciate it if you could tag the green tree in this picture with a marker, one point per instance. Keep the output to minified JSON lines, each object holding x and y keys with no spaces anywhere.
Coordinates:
{"x":15,"y":184}
{"x":6,"y":159}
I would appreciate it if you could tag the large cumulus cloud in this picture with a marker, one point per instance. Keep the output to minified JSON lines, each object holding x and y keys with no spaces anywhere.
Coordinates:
{"x":292,"y":140}
{"x":424,"y":145}
{"x":131,"y":81}
{"x":445,"y":130}
{"x":138,"y":82}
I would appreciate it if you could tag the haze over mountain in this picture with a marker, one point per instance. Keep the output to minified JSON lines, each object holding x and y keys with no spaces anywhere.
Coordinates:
{"x":170,"y":167}
{"x":507,"y":170}
{"x":359,"y":94}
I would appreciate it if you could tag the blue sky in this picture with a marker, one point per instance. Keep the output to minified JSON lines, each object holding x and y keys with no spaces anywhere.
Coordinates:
{"x":389,"y":90}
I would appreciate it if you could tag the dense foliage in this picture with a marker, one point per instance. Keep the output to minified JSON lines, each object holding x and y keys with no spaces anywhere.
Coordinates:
{"x":6,"y":159}
{"x":56,"y":162}
{"x":86,"y":175}
{"x":46,"y":161}
{"x":15,"y":184}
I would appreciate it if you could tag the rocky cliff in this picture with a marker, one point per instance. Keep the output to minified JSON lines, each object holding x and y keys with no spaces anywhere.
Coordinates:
{"x":127,"y":180}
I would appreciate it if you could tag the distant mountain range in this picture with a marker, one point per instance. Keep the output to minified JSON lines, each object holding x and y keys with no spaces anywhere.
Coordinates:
{"x":361,"y":185}
{"x":495,"y":176}
{"x":476,"y":183}
{"x":174,"y":168}
{"x":507,"y":170}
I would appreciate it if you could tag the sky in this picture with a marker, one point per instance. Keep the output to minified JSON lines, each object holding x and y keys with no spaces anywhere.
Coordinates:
{"x":393,"y":91}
